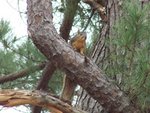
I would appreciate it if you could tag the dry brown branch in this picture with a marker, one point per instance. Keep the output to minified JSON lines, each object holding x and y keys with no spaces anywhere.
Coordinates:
{"x":9,"y":98}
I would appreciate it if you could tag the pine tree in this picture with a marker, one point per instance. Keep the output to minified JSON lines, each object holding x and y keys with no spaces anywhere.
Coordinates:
{"x":120,"y":47}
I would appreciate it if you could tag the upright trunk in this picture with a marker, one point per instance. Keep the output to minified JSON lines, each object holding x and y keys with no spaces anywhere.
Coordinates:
{"x":99,"y":54}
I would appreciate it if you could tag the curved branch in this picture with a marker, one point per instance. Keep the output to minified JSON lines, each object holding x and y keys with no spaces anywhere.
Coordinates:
{"x":70,"y":11}
{"x":9,"y":98}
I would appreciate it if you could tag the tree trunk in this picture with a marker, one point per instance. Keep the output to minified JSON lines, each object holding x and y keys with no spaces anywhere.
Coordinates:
{"x":99,"y":55}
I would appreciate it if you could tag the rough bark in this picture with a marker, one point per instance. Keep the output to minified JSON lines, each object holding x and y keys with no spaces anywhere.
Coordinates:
{"x":9,"y":98}
{"x":80,"y":68}
{"x":70,"y":11}
{"x":85,"y":101}
{"x":99,"y":54}
{"x":22,"y":73}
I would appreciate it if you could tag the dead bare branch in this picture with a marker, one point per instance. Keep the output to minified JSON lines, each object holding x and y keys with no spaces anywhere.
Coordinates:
{"x":9,"y":98}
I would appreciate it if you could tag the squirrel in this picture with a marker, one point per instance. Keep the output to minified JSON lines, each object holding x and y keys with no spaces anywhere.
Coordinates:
{"x":78,"y":42}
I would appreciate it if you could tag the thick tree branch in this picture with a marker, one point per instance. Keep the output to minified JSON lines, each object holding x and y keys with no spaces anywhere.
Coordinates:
{"x":70,"y":11}
{"x":22,"y":73}
{"x":9,"y":98}
{"x":46,"y":75}
{"x":82,"y":69}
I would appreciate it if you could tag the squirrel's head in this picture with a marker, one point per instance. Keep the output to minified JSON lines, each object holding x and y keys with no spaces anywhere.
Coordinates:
{"x":82,"y":35}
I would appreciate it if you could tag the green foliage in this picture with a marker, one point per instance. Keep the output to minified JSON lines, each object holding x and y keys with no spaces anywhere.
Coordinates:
{"x":6,"y":58}
{"x":6,"y":61}
{"x":17,"y":54}
{"x":131,"y":53}
{"x":4,"y":28}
